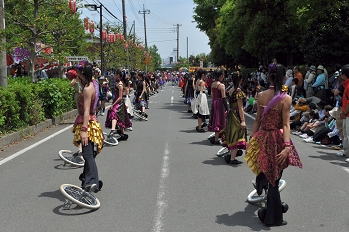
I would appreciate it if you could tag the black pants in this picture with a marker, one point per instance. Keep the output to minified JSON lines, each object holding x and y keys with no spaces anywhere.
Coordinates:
{"x":274,"y":214}
{"x":90,"y":172}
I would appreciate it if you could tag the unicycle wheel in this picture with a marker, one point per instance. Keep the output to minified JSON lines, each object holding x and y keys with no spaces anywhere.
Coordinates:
{"x":79,"y":197}
{"x":67,"y":157}
{"x":253,"y":197}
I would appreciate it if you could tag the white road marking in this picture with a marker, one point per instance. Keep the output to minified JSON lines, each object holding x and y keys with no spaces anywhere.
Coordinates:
{"x":161,"y":203}
{"x":172,"y":91}
{"x":171,"y":100}
{"x":250,"y":116}
{"x":345,"y":169}
{"x":36,"y":144}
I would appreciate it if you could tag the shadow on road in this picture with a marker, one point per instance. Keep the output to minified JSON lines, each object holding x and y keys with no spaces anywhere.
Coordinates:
{"x":244,"y":218}
{"x":215,"y":161}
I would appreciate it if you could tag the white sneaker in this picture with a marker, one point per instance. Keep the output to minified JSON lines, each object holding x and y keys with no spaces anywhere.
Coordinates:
{"x":304,"y":136}
{"x":102,"y":113}
{"x":309,"y":140}
{"x":340,"y":154}
{"x":347,"y":160}
{"x":297,"y":133}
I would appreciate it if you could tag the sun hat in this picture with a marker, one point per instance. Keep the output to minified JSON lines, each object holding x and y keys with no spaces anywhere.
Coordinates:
{"x":320,"y":67}
{"x":313,"y":67}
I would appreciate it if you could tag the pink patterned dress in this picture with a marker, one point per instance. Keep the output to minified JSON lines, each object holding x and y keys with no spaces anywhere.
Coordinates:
{"x":265,"y":144}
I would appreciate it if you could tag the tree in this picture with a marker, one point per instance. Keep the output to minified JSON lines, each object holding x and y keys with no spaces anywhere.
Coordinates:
{"x":327,"y":39}
{"x":156,"y":58}
{"x":49,"y":22}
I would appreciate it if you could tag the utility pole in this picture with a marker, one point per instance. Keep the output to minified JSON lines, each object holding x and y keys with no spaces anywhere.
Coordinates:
{"x":124,"y":19}
{"x":144,"y":11}
{"x":178,"y":25}
{"x":187,"y":50}
{"x":101,"y":37}
{"x":3,"y":65}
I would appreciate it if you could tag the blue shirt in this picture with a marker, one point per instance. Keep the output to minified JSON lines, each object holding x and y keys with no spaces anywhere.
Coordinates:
{"x":320,"y":80}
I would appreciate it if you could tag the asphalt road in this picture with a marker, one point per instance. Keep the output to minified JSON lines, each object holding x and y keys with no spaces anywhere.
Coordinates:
{"x":166,"y":177}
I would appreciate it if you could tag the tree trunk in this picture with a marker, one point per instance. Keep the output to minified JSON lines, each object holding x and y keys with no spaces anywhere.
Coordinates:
{"x":3,"y":64}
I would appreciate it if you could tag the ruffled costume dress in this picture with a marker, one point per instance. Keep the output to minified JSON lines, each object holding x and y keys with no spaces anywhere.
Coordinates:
{"x":94,"y":132}
{"x":201,"y":106}
{"x":260,"y":157}
{"x":233,"y":136}
{"x":189,"y":94}
{"x":119,"y":113}
{"x":218,"y":117}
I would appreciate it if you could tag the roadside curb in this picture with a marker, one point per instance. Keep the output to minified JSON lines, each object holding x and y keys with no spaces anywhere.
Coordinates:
{"x":19,"y":135}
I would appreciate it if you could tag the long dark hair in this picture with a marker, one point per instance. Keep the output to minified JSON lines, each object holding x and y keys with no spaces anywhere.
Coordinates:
{"x":236,"y":78}
{"x":277,"y":74}
{"x":87,"y":70}
{"x":217,"y":74}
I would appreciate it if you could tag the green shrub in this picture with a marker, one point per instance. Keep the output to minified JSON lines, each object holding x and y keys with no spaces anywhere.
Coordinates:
{"x":9,"y":111}
{"x":24,"y":103}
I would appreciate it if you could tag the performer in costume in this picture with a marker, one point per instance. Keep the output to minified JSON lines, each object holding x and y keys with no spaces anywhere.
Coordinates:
{"x":117,"y":113}
{"x":219,"y":106}
{"x":234,"y":134}
{"x":203,"y":111}
{"x":87,"y":130}
{"x":141,"y":94}
{"x":189,"y":91}
{"x":270,"y":150}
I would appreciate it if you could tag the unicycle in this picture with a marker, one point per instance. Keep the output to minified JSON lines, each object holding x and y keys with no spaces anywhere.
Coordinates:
{"x":227,"y":155}
{"x":71,"y":158}
{"x":78,"y":196}
{"x":113,"y":140}
{"x":223,"y":152}
{"x":253,"y":197}
{"x":137,"y":114}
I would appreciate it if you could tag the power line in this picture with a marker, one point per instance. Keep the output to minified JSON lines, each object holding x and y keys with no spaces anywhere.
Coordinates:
{"x":117,"y":7}
{"x":159,"y":18}
{"x":135,"y":12}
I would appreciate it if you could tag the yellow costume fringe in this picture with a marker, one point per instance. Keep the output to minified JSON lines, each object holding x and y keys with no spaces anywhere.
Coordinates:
{"x":251,"y":156}
{"x":94,"y":133}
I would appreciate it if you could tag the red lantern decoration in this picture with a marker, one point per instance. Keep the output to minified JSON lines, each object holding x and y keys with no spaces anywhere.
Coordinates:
{"x":87,"y":23}
{"x":126,"y":45}
{"x":111,"y":37}
{"x":104,"y":35}
{"x":92,"y":27}
{"x":48,"y":50}
{"x":121,"y":37}
{"x":72,"y":6}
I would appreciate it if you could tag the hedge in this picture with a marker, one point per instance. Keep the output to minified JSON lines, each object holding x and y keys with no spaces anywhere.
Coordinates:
{"x":24,"y":103}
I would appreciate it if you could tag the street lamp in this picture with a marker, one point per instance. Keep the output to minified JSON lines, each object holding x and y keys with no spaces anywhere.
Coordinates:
{"x":94,"y":7}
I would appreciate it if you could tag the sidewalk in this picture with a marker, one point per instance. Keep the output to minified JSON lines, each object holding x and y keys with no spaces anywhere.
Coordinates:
{"x":19,"y":135}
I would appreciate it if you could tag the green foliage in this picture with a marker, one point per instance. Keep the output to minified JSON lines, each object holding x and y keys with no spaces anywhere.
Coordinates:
{"x":327,"y":39}
{"x":24,"y":103}
{"x":9,"y":111}
{"x":49,"y":22}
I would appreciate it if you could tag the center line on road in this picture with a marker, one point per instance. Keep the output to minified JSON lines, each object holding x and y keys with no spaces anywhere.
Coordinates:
{"x":161,"y":203}
{"x":171,"y":100}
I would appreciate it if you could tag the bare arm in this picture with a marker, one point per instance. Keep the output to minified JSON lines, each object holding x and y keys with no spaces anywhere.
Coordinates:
{"x":241,"y":113}
{"x":88,"y":91}
{"x":256,"y":123}
{"x":73,"y":82}
{"x":222,"y":89}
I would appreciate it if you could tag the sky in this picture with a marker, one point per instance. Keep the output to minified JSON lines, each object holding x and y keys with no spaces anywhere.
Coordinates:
{"x":160,"y":23}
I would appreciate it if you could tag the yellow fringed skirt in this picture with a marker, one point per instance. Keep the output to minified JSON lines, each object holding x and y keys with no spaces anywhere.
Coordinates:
{"x":94,"y":133}
{"x":251,"y":156}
